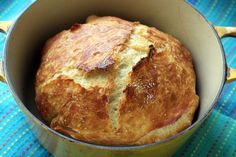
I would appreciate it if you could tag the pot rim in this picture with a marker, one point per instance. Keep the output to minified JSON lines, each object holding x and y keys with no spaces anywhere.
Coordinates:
{"x":107,"y":147}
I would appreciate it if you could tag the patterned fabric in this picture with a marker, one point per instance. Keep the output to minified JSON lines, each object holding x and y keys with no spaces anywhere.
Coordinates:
{"x":216,"y":137}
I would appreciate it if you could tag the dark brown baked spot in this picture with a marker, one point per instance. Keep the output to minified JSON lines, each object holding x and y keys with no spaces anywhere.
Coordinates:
{"x":152,"y":50}
{"x":75,"y":26}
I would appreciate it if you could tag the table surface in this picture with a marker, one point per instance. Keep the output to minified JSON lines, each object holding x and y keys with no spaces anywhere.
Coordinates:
{"x":216,"y":137}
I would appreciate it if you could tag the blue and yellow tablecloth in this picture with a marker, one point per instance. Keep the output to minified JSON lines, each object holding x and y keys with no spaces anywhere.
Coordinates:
{"x":216,"y":137}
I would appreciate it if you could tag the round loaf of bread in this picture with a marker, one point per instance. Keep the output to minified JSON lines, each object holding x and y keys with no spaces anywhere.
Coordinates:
{"x":115,"y":82}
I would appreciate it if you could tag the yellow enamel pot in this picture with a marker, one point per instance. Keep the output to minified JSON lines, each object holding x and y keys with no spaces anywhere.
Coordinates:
{"x":44,"y":18}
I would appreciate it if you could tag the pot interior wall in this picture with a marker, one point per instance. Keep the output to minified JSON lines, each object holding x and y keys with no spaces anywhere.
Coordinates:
{"x":46,"y":18}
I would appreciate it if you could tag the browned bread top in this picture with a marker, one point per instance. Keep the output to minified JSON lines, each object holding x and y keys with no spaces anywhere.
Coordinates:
{"x":116,"y":82}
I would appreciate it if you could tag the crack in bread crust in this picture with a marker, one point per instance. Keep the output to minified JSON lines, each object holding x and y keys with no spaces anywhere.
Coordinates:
{"x":86,"y":80}
{"x":136,"y":49}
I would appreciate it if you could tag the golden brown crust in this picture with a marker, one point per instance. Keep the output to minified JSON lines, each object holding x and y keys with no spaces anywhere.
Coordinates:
{"x":78,"y":98}
{"x":159,"y":93}
{"x":83,"y":108}
{"x":61,"y":91}
{"x":85,"y":46}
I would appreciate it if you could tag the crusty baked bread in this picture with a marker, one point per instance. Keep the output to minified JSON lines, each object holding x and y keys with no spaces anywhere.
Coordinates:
{"x":115,"y":82}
